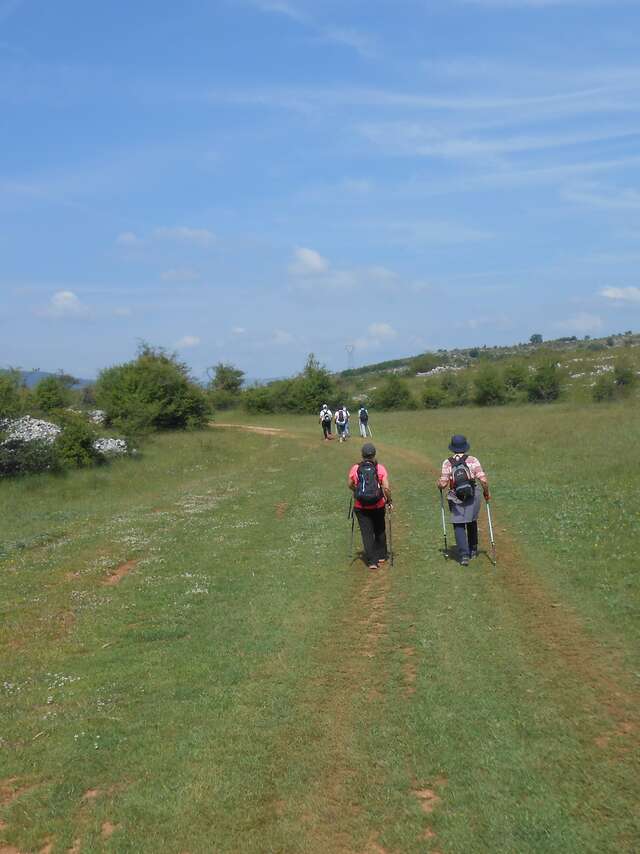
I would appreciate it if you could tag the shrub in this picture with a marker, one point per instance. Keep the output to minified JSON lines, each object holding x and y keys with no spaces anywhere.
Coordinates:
{"x":18,"y":457}
{"x":51,"y":393}
{"x":10,"y":403}
{"x":624,"y":375}
{"x":427,"y":362}
{"x":489,"y":386}
{"x":153,"y":392}
{"x":604,"y":388}
{"x":544,"y":384}
{"x":393,"y":394}
{"x":456,"y":388}
{"x":433,"y":395}
{"x":259,"y":400}
{"x":74,"y":446}
{"x":515,"y":376}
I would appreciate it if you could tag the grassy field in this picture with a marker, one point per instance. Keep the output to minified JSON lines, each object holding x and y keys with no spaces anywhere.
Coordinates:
{"x":191,"y":663}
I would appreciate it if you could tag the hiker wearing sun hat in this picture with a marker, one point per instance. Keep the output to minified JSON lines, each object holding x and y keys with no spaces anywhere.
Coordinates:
{"x":461,"y":475}
{"x":369,"y":482}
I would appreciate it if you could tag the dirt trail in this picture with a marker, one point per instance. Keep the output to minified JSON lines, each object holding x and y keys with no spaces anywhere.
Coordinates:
{"x":562,"y":642}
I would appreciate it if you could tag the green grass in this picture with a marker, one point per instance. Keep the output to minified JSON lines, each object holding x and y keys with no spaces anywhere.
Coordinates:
{"x":244,"y":688}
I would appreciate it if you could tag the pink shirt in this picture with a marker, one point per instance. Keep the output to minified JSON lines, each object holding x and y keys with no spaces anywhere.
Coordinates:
{"x":353,"y":477}
{"x":473,"y":464}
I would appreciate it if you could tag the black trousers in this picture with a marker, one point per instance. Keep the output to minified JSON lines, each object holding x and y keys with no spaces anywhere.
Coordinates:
{"x":374,"y":534}
{"x":466,"y":537}
{"x":326,"y":428}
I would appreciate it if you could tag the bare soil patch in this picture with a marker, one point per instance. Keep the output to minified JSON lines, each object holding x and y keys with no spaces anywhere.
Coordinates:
{"x":267,"y":431}
{"x":281,"y":509}
{"x":118,"y":574}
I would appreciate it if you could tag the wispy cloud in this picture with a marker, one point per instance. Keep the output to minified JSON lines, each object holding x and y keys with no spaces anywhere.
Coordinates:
{"x":595,"y":197}
{"x":129,"y":239}
{"x":433,"y":232}
{"x":378,"y":334}
{"x":362,"y":43}
{"x":198,"y":236}
{"x":307,"y":262}
{"x":188,"y":342}
{"x":630,"y":294}
{"x":583,"y":323}
{"x":180,"y":274}
{"x":64,"y":304}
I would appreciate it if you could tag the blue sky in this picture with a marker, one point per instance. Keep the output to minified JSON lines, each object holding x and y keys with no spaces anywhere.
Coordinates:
{"x":252,"y":180}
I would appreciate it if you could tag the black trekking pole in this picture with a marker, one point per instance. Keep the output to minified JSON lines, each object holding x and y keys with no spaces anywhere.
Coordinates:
{"x":351,"y":515}
{"x":391,"y":555}
{"x":493,"y":544}
{"x":444,"y":527}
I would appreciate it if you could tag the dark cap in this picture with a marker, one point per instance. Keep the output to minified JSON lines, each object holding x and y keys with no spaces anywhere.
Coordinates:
{"x":459,"y":444}
{"x":368,"y":450}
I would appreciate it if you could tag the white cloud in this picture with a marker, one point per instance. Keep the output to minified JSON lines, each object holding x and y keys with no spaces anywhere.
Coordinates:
{"x":281,"y":336}
{"x":362,"y":43}
{"x":238,"y":330}
{"x":65,"y":304}
{"x":421,"y":232}
{"x":596,"y":197}
{"x":382,"y":330}
{"x":583,"y":323}
{"x":188,"y":341}
{"x":377,"y":335}
{"x":622,"y":294}
{"x":198,"y":236}
{"x":280,"y":7}
{"x":182,"y":274}
{"x":128,"y":238}
{"x":308,"y":262}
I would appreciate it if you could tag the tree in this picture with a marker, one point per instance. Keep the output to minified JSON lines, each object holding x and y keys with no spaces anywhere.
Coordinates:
{"x":544,"y":383}
{"x":623,"y":374}
{"x":10,"y":403}
{"x":52,"y":393}
{"x":536,"y":338}
{"x":393,"y":394}
{"x":152,"y":392}
{"x":227,"y":378}
{"x":316,"y":385}
{"x":489,"y":386}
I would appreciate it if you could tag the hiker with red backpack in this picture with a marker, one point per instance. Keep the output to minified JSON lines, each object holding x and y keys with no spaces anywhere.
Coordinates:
{"x":461,"y":475}
{"x":369,"y":482}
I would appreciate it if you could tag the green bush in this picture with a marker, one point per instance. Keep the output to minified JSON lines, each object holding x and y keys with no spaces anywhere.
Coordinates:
{"x":604,"y":388}
{"x":433,"y":395}
{"x":17,"y":458}
{"x":490,"y":389}
{"x":10,"y":402}
{"x":259,"y":400}
{"x":74,"y":446}
{"x":153,"y":392}
{"x":51,"y":393}
{"x":515,"y":376}
{"x":544,"y":383}
{"x":303,"y":393}
{"x":456,"y":388}
{"x":427,"y":362}
{"x":623,"y":374}
{"x":393,"y":394}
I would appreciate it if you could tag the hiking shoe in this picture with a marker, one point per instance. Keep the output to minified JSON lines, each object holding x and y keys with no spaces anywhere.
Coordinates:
{"x":373,"y":566}
{"x":464,"y":561}
{"x":473,"y":554}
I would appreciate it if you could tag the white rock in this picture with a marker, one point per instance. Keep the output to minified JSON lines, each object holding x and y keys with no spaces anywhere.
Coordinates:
{"x":110,"y":447}
{"x":28,"y":429}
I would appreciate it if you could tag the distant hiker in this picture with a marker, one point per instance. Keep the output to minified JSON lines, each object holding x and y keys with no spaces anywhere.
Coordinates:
{"x":326,"y":416}
{"x":342,"y":421}
{"x":461,"y":474}
{"x":369,"y":482}
{"x":363,"y":420}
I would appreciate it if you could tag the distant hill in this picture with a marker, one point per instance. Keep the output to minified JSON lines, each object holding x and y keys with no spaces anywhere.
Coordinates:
{"x":32,"y":378}
{"x":460,"y":357}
